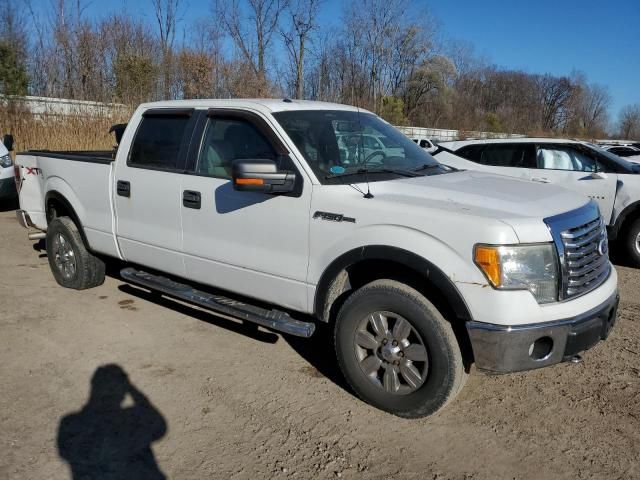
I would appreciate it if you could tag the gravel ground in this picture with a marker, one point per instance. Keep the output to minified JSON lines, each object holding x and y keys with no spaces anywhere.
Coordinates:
{"x":207,"y":397}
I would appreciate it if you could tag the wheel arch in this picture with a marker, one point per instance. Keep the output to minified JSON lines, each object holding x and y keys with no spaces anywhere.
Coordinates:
{"x":57,"y":205}
{"x":630,"y":212}
{"x":364,"y":264}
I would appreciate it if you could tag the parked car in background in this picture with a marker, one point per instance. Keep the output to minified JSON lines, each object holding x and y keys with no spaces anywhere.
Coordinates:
{"x":245,"y":207}
{"x":610,"y":180}
{"x":425,"y":143}
{"x":7,"y":179}
{"x":627,"y":152}
{"x":373,"y":148}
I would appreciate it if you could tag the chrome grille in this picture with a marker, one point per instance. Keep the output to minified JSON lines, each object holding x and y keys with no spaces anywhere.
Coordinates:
{"x":581,"y":239}
{"x":586,"y":257}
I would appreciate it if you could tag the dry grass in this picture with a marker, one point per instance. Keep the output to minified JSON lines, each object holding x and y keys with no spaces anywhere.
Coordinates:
{"x":56,"y":132}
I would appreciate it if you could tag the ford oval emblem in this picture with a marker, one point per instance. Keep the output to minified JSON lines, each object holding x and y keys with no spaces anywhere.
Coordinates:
{"x":603,"y":247}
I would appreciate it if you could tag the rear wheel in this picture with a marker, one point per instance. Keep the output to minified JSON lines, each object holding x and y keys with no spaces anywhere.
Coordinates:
{"x":397,"y":351}
{"x":632,"y":242}
{"x":72,"y":265}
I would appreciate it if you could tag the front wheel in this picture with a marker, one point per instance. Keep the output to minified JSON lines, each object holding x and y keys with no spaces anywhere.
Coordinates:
{"x":631,"y":240}
{"x":397,"y":351}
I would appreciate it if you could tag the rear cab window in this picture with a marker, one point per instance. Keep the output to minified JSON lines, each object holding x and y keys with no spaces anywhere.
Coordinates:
{"x":161,"y":140}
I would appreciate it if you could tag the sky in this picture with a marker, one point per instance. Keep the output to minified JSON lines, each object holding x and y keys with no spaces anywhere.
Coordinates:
{"x":598,"y":37}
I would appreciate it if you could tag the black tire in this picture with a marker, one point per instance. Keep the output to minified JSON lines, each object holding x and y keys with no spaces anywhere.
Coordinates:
{"x":443,"y":373}
{"x":631,"y":243}
{"x":78,"y":268}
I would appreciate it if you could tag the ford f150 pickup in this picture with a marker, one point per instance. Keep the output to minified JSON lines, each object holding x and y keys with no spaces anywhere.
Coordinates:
{"x":255,"y":209}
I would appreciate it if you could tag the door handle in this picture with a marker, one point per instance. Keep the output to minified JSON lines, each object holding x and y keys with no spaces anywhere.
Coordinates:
{"x":123,"y":188}
{"x":191,"y":199}
{"x":540,"y":179}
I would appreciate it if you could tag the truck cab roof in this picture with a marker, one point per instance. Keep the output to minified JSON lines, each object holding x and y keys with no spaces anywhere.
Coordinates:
{"x":263,"y":104}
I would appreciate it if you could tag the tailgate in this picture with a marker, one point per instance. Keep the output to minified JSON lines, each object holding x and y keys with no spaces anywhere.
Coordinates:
{"x":30,"y":180}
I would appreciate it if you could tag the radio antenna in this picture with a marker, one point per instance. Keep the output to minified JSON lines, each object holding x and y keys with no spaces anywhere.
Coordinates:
{"x":361,"y":147}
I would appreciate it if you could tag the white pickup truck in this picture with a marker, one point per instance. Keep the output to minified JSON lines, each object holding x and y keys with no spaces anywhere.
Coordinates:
{"x":247,"y":207}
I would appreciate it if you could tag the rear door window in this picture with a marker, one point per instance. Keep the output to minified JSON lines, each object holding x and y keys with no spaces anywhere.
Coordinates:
{"x":565,"y":158}
{"x":160,"y":142}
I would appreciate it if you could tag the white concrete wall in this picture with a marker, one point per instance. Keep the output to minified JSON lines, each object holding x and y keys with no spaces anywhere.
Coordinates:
{"x":450,"y":135}
{"x":61,"y":106}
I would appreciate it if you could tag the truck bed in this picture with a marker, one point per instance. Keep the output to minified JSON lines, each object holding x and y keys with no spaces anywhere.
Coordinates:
{"x":82,"y":179}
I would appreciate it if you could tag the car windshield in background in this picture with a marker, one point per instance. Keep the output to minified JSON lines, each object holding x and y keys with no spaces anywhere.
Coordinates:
{"x":621,"y":162}
{"x":338,"y":143}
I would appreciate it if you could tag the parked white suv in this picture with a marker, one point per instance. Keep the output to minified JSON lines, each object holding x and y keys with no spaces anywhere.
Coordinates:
{"x":425,"y":143}
{"x":610,"y":180}
{"x":245,"y":207}
{"x":7,"y":180}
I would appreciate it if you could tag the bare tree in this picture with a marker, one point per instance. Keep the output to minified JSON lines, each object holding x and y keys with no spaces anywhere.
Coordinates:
{"x":555,"y":94}
{"x":629,"y":122}
{"x":252,"y":32}
{"x":166,"y":12}
{"x":14,"y":79}
{"x":428,"y":78}
{"x":596,"y":101}
{"x":302,"y":17}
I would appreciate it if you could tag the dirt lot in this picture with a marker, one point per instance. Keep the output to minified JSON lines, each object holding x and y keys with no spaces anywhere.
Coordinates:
{"x":220,"y":400}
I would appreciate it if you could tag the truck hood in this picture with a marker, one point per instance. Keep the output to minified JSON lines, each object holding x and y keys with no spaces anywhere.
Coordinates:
{"x":522,"y":204}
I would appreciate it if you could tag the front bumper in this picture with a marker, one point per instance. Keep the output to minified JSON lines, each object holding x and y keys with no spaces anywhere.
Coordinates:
{"x":504,"y":349}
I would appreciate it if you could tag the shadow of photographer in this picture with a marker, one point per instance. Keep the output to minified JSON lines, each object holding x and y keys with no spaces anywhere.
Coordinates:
{"x":110,"y":438}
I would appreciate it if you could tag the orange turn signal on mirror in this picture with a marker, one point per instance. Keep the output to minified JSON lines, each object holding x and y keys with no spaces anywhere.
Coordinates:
{"x":249,"y":181}
{"x":488,"y":259}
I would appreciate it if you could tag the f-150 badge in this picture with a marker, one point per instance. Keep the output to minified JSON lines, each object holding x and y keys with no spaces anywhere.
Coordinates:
{"x":333,"y":217}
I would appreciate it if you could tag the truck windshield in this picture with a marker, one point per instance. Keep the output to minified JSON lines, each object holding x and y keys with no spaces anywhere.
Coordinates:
{"x":339,"y":143}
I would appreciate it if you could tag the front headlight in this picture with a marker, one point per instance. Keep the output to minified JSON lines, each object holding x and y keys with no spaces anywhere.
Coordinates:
{"x":521,"y":267}
{"x":5,"y":161}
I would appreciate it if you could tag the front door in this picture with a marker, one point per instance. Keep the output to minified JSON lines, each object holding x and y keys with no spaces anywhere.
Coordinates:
{"x":571,"y":167}
{"x":245,"y":242}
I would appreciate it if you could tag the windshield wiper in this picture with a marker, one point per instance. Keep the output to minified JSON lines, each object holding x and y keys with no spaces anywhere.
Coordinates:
{"x":369,"y":171}
{"x":429,"y":166}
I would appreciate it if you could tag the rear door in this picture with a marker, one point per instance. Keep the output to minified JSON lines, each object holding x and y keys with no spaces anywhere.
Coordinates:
{"x":575,"y":168}
{"x":250,"y":243}
{"x":148,"y":195}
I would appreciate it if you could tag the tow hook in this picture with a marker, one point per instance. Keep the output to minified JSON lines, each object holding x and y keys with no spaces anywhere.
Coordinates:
{"x":576,"y":359}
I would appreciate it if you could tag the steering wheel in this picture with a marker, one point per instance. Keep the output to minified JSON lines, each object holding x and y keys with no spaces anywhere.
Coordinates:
{"x":374,"y":154}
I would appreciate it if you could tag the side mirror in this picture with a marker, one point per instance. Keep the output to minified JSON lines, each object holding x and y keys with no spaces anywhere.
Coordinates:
{"x":8,"y":142}
{"x":259,"y":175}
{"x":118,"y":130}
{"x":598,"y":175}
